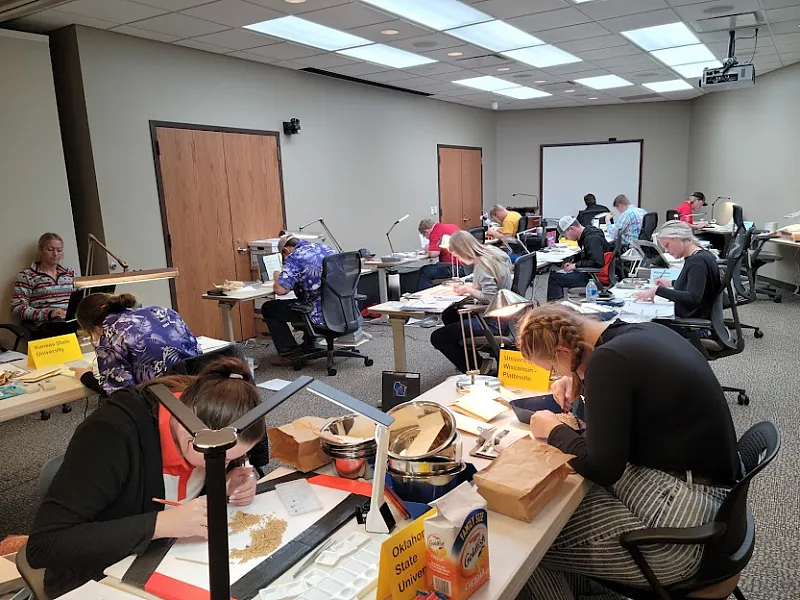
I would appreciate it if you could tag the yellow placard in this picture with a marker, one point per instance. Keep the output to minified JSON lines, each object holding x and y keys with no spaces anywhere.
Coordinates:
{"x":53,"y":351}
{"x":401,"y":571}
{"x":516,"y":372}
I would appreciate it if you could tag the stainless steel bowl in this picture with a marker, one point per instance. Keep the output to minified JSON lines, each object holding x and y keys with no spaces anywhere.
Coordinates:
{"x":464,"y":382}
{"x":344,"y":426}
{"x":422,"y":488}
{"x":406,"y":428}
{"x":435,"y":465}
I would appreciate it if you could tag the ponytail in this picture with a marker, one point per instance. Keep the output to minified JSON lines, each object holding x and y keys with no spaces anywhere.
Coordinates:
{"x":93,"y":309}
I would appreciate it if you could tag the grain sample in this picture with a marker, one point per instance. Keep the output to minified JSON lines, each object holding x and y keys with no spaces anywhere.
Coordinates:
{"x":264,"y":540}
{"x":242,"y":520}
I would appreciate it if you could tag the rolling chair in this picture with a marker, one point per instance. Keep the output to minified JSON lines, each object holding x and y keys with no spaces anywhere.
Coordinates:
{"x":604,"y":277}
{"x":340,"y":312}
{"x":479,"y":233}
{"x":744,"y":285}
{"x":34,"y":578}
{"x":671,"y":215}
{"x":649,"y":224}
{"x":757,"y":259}
{"x":728,"y":540}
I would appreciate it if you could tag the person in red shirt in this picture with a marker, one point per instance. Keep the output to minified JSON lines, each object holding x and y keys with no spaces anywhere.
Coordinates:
{"x":434,"y":232}
{"x":690,"y":207}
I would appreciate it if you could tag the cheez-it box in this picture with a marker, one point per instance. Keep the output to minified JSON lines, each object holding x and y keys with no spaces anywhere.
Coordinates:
{"x":457,"y":544}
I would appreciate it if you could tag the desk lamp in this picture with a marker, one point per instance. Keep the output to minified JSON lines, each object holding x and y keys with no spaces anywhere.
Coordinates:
{"x":213,"y":444}
{"x":714,"y":203}
{"x":529,"y":196}
{"x":336,"y":244}
{"x":506,"y":304}
{"x":465,"y":382}
{"x":445,"y":243}
{"x":395,"y":224}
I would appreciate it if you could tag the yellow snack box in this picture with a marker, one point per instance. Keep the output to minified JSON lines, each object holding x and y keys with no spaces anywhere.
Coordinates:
{"x":457,"y":544}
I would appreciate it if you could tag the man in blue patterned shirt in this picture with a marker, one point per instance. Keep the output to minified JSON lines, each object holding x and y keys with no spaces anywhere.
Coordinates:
{"x":301,"y":274}
{"x":628,"y":225}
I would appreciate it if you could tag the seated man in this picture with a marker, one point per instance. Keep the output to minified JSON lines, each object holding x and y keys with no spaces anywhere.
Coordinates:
{"x":434,"y":232}
{"x":508,"y":218}
{"x":628,"y":226}
{"x":593,"y":245}
{"x":690,"y":207}
{"x":302,"y":273}
{"x":592,"y":210}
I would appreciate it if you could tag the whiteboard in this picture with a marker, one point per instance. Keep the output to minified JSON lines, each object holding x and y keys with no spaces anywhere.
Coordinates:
{"x":605,"y":169}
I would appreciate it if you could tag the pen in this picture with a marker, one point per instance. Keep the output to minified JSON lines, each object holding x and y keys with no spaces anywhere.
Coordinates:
{"x":165,"y":502}
{"x":192,"y":560}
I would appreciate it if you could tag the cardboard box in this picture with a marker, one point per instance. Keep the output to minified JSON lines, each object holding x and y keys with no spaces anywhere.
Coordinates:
{"x":298,"y":444}
{"x":523,"y":478}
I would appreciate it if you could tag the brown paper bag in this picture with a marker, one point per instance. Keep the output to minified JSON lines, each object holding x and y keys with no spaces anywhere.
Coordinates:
{"x":298,"y":444}
{"x":523,"y":478}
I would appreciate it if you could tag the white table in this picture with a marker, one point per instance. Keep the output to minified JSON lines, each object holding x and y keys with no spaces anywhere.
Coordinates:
{"x":556,"y":256}
{"x":515,"y":547}
{"x":381,"y":266}
{"x":642,"y":312}
{"x":227,"y":302}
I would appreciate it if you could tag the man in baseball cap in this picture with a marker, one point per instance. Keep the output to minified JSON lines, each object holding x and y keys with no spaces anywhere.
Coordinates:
{"x":690,"y":207}
{"x":593,"y":245}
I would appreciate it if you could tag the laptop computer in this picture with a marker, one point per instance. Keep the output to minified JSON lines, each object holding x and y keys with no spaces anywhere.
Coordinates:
{"x":77,"y":295}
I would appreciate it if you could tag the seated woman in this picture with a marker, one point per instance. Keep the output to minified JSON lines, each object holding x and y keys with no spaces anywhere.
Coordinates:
{"x":99,"y":507}
{"x":492,"y":271}
{"x":41,"y":292}
{"x":133,"y":345}
{"x":659,"y":444}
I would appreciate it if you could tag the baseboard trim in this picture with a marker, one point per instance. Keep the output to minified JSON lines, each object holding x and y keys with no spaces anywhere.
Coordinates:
{"x":781,"y":285}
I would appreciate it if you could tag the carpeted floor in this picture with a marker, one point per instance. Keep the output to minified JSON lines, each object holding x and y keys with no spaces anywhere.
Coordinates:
{"x":767,"y":368}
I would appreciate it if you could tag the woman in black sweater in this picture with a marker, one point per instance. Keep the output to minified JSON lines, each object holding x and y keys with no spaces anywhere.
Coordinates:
{"x":99,"y":508}
{"x":659,"y":444}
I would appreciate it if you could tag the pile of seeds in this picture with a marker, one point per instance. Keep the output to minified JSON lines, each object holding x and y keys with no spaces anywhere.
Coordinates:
{"x":264,"y":540}
{"x":242,"y":520}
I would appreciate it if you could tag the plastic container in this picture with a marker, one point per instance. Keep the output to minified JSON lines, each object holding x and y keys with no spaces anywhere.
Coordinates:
{"x":591,"y":291}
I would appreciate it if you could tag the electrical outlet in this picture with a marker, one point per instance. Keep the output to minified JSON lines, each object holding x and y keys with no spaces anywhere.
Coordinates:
{"x":434,"y":210}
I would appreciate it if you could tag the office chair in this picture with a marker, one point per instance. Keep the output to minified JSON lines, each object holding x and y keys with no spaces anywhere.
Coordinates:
{"x":728,"y":540}
{"x":757,"y":259}
{"x":604,"y":277}
{"x":524,"y":272}
{"x":34,"y":578}
{"x":744,"y":289}
{"x":340,"y":312}
{"x":649,"y":224}
{"x":18,"y":333}
{"x":671,"y":215}
{"x":479,"y":233}
{"x":726,"y":335}
{"x":195,"y":364}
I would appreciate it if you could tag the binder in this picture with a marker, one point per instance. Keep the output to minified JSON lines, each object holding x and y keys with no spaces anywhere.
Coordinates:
{"x":398,"y":387}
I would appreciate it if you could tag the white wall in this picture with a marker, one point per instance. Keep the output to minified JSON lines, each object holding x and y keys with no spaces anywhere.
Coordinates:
{"x":33,"y":195}
{"x":365,"y":156}
{"x":745,"y":144}
{"x":664,"y":127}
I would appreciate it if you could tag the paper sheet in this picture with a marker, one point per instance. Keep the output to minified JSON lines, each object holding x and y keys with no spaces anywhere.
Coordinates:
{"x":93,"y":590}
{"x":273,"y":384}
{"x":208,"y":344}
{"x":481,"y":403}
{"x":10,"y":355}
{"x":430,"y":426}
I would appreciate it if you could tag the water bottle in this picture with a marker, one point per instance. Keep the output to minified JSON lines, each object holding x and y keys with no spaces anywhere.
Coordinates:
{"x":591,"y":291}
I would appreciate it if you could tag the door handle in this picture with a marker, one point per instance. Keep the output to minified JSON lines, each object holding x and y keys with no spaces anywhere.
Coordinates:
{"x":243,"y":249}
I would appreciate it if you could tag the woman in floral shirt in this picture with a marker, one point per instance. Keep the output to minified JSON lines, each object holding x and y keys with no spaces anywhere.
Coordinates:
{"x":133,"y":345}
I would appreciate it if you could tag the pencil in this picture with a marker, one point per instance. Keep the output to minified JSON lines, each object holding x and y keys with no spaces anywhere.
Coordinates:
{"x":192,"y":560}
{"x":392,"y":496}
{"x":165,"y":502}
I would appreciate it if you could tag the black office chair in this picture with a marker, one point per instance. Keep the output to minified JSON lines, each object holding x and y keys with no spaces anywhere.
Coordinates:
{"x":195,"y":364}
{"x":726,"y":335}
{"x":671,"y":215}
{"x":649,"y":224}
{"x":479,"y":233}
{"x":757,"y":259}
{"x":18,"y":333}
{"x":524,"y":272}
{"x":340,"y":312}
{"x":612,"y":263}
{"x":744,"y":289}
{"x":728,"y":540}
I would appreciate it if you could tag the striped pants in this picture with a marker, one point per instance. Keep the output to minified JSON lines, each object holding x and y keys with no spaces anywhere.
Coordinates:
{"x":588,"y":546}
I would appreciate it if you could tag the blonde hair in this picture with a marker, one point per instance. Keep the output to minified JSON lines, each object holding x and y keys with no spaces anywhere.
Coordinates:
{"x":464,"y":245}
{"x":495,"y":209}
{"x":677,"y":230}
{"x":547,"y":327}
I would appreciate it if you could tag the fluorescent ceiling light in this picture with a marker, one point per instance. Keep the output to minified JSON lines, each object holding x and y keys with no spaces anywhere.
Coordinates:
{"x":522,"y":93}
{"x":542,"y":56}
{"x":305,"y":32}
{"x":662,"y":36}
{"x":604,"y":82}
{"x":685,"y":55}
{"x":674,"y":85}
{"x":696,"y":69}
{"x":576,"y":1}
{"x":389,"y":56}
{"x":487,"y":83}
{"x":496,"y":36}
{"x":436,"y":14}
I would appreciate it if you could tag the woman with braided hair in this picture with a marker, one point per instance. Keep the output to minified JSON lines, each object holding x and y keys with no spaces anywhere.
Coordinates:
{"x":659,"y":445}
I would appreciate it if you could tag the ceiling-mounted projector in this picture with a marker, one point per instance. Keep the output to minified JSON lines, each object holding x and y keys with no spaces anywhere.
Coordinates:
{"x":725,"y":78}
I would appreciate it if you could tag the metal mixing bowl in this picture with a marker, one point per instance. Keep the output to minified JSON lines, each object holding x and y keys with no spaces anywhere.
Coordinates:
{"x":424,"y":488}
{"x":344,"y":426}
{"x":406,"y":428}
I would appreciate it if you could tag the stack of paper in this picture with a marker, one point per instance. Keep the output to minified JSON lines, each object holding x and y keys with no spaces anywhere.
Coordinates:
{"x":481,"y":403}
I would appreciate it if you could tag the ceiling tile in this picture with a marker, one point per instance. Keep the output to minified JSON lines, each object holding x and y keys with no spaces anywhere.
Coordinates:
{"x":488,"y":60}
{"x":358,"y":69}
{"x":532,"y":75}
{"x":648,"y":75}
{"x":593,"y":72}
{"x":181,"y":26}
{"x":594,"y":43}
{"x":785,"y":27}
{"x":790,"y":13}
{"x":769,"y":4}
{"x":405,"y":30}
{"x":289,"y":64}
{"x":49,"y":20}
{"x":427,"y":43}
{"x":202,"y":46}
{"x":614,"y":52}
{"x":295,"y":9}
{"x":622,"y":64}
{"x":143,"y":33}
{"x":466,"y":51}
{"x":513,"y":67}
{"x":460,"y":74}
{"x":234,"y":13}
{"x":507,"y":9}
{"x":286,"y":51}
{"x":620,"y":8}
{"x":550,"y":20}
{"x":569,"y":69}
{"x":791,"y":58}
{"x":348,"y":16}
{"x":171,"y":4}
{"x":238,"y":39}
{"x":648,"y":19}
{"x":326,"y":61}
{"x":253,"y":57}
{"x":573,"y":32}
{"x":389,"y":76}
{"x":787,"y":38}
{"x":422,"y":83}
{"x":440,"y":88}
{"x":784,"y":49}
{"x":117,"y":11}
{"x":707,"y":10}
{"x":433,"y":69}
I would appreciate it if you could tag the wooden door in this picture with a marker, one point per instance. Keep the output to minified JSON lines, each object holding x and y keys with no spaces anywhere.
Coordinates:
{"x":198,"y":222}
{"x":460,"y":186}
{"x":256,"y":203}
{"x":471,"y":187}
